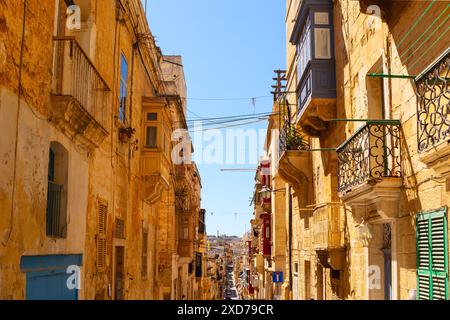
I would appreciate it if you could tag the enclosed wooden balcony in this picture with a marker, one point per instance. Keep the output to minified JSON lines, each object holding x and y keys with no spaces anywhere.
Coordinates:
{"x":265,"y":236}
{"x":316,"y":76}
{"x":329,"y":226}
{"x":369,"y":162}
{"x":186,"y":249}
{"x":80,"y":96}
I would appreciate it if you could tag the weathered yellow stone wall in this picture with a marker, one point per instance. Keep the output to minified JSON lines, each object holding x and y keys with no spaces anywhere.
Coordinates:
{"x":24,"y":146}
{"x":111,"y":173}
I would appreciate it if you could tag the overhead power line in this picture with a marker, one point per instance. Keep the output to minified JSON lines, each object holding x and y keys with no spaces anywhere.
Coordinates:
{"x":230,"y":126}
{"x":235,"y":116}
{"x":229,"y":99}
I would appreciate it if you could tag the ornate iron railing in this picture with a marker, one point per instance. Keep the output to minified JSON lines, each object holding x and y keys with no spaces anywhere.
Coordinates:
{"x":75,"y":75}
{"x":433,"y":104}
{"x":372,"y":153}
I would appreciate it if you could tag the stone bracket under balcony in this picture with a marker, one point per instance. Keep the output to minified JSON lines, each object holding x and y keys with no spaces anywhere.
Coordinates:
{"x":69,"y":116}
{"x":315,"y":116}
{"x":293,"y":167}
{"x":153,"y":187}
{"x":375,"y":199}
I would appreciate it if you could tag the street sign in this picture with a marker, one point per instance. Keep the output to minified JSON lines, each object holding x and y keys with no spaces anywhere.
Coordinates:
{"x":277,"y":277}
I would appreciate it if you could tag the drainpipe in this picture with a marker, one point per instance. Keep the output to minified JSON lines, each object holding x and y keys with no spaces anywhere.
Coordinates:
{"x":290,"y":241}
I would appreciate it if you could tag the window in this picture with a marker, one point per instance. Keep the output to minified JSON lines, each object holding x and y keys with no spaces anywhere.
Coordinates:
{"x":198,"y":265}
{"x":144,"y":253}
{"x":119,"y":230}
{"x":123,"y":88}
{"x":322,"y":35}
{"x":321,"y":18}
{"x":152,"y":116}
{"x":304,"y":50}
{"x":306,"y":221}
{"x":184,"y":231}
{"x":432,"y":259}
{"x":151,"y":137}
{"x":56,"y":211}
{"x":307,"y":280}
{"x":101,"y":235}
{"x":322,"y":46}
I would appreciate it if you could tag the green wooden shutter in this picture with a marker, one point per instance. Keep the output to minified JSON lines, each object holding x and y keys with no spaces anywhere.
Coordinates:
{"x":432,"y":259}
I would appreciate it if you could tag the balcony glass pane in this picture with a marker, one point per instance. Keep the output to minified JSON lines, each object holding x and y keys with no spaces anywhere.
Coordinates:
{"x":151,"y":135}
{"x":304,"y":51}
{"x":322,"y":41}
{"x":321,"y":18}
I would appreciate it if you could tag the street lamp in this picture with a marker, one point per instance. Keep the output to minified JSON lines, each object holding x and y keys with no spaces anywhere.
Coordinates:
{"x":265,"y":193}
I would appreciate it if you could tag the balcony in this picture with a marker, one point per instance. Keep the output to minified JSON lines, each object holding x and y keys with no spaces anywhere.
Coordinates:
{"x":294,"y":162}
{"x":328,"y":228}
{"x":201,"y":221}
{"x":265,"y":237}
{"x":316,"y":79}
{"x":259,"y":263}
{"x":186,"y":249}
{"x":369,"y":162}
{"x":79,"y":95}
{"x":433,"y":118}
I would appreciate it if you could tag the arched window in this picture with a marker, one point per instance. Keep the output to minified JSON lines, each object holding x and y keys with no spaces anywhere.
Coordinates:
{"x":56,"y":213}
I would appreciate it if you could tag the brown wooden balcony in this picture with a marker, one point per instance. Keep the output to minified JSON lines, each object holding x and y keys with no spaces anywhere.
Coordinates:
{"x":316,"y":76}
{"x":80,"y":96}
{"x":370,"y":161}
{"x":329,"y":234}
{"x":328,"y":228}
{"x":186,"y":248}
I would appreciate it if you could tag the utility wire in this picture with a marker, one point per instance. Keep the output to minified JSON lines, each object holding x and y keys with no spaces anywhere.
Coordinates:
{"x":429,"y":36}
{"x":236,"y":116}
{"x":429,"y":48}
{"x":423,"y":34}
{"x":415,"y":24}
{"x":210,"y":123}
{"x":230,"y":126}
{"x":229,"y":99}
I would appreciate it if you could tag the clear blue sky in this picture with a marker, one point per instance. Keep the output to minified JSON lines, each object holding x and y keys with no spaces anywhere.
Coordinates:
{"x":230,"y":49}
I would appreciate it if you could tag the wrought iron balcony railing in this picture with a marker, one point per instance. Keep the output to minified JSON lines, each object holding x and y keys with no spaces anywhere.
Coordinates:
{"x":74,"y":75}
{"x":372,"y":153}
{"x":433,"y":105}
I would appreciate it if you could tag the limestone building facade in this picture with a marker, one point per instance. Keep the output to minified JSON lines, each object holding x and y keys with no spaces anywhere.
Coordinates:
{"x":361,"y":146}
{"x":88,"y":184}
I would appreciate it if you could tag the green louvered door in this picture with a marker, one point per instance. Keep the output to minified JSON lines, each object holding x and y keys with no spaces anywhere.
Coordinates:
{"x":432,"y":260}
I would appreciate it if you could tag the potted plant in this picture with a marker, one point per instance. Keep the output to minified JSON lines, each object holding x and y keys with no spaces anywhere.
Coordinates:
{"x":295,"y":140}
{"x":126,"y":133}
